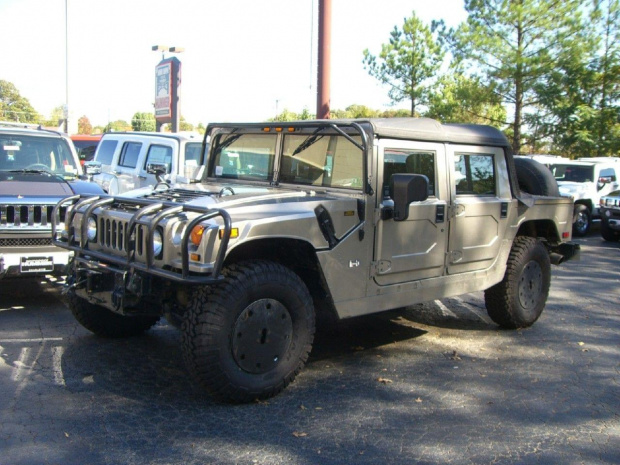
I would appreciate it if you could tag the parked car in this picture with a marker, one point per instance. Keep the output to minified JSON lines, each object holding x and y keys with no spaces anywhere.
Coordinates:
{"x":610,"y":216}
{"x":124,"y":158}
{"x":586,"y":180}
{"x":344,"y":218}
{"x":38,"y":167}
{"x":85,"y":145}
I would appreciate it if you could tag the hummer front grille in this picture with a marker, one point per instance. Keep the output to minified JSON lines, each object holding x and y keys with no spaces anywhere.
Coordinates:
{"x":32,"y":216}
{"x":112,"y":235}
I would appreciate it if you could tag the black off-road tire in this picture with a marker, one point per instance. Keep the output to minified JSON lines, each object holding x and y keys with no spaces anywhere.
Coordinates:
{"x":104,"y":322}
{"x":519,"y":299}
{"x":535,"y":178}
{"x":609,"y":234}
{"x":248,"y":337}
{"x":582,"y":219}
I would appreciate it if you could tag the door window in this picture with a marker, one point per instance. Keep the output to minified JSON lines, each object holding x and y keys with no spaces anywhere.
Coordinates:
{"x":159,"y":154}
{"x":130,"y":154}
{"x":408,"y":161}
{"x":106,"y":151}
{"x":474,"y":174}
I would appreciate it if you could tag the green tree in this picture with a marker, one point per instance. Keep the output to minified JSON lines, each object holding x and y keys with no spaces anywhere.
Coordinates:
{"x":408,"y":63}
{"x":580,"y":103}
{"x":56,"y":118}
{"x":117,"y":126}
{"x":84,"y":126}
{"x":143,"y":121}
{"x":184,"y":125}
{"x":14,"y":107}
{"x":514,"y":44}
{"x":459,"y":99}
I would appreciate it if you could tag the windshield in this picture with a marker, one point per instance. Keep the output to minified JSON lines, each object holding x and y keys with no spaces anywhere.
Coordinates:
{"x":32,"y":153}
{"x":313,"y":159}
{"x":574,"y":173}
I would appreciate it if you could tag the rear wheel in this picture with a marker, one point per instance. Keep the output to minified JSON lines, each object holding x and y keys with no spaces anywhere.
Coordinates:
{"x":519,"y":299}
{"x":248,"y":337}
{"x":582,"y":218}
{"x":104,"y":322}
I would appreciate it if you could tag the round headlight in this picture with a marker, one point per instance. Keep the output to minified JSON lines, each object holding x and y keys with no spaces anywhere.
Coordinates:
{"x":158,"y":243}
{"x":91,"y":231}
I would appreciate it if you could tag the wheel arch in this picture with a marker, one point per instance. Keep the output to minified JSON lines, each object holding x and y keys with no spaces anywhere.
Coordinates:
{"x":297,"y":255}
{"x":587,"y":202}
{"x":543,"y":229}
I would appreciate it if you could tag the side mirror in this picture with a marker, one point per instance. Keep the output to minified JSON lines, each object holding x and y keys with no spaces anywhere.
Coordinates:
{"x":92,"y":167}
{"x":158,"y":169}
{"x":407,"y":188}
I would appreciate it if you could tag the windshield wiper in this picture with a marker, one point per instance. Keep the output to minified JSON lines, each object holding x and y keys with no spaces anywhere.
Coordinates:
{"x":31,"y":171}
{"x":311,"y":139}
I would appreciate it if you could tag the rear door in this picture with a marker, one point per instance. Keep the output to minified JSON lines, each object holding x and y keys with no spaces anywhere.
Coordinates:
{"x":480,"y":207}
{"x":128,"y":168}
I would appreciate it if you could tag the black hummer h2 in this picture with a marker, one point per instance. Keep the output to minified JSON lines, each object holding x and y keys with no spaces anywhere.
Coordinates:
{"x":37,"y":168}
{"x":344,"y":217}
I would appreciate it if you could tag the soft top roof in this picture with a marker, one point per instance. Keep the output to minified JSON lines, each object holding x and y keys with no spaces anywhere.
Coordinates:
{"x":432,"y":130}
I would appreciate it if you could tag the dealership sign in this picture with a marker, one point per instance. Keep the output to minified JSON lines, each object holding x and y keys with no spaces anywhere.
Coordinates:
{"x":167,"y":83}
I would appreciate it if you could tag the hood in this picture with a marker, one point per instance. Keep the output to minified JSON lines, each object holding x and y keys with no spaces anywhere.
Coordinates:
{"x":575,"y":188}
{"x":33,"y":184}
{"x":216,"y":195}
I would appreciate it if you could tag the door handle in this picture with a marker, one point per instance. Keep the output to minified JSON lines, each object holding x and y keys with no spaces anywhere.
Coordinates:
{"x":141,"y":177}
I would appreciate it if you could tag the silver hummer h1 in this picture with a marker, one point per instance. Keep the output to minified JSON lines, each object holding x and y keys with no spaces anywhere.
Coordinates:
{"x":343,"y":217}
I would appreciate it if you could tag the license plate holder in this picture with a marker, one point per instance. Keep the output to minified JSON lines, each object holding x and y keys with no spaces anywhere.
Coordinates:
{"x":36,"y":264}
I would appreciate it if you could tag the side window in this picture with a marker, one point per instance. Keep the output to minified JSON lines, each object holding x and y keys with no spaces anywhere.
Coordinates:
{"x":129,"y":154}
{"x":159,"y":154}
{"x":474,"y":174}
{"x":106,"y":151}
{"x":193,"y":154}
{"x":408,"y":161}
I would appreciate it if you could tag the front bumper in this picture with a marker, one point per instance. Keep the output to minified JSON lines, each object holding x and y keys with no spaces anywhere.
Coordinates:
{"x":33,"y":263}
{"x":149,"y":216}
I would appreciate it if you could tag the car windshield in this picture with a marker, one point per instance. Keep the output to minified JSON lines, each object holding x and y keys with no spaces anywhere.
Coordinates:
{"x":574,"y":173}
{"x":34,"y":153}
{"x":314,"y":159}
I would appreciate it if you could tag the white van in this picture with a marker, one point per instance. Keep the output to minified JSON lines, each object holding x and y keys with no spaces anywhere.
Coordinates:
{"x":125,"y":156}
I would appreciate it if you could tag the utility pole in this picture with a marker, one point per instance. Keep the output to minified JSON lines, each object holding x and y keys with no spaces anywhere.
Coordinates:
{"x":325,"y":33}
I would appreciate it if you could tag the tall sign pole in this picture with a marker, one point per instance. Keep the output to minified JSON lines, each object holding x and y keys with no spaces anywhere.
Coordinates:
{"x":168,"y":89}
{"x":325,"y":33}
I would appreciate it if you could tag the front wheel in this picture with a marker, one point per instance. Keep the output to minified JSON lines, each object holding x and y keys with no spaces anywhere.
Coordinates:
{"x":582,"y":218}
{"x":519,"y":299}
{"x":248,"y":337}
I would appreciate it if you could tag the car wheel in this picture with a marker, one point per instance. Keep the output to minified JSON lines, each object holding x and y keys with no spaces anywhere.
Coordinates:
{"x":248,"y":337}
{"x":519,"y":299}
{"x":104,"y":322}
{"x":608,"y":233}
{"x":582,"y":218}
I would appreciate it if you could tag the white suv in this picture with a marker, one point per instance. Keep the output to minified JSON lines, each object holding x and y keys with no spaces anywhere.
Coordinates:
{"x":586,"y":180}
{"x":124,"y":157}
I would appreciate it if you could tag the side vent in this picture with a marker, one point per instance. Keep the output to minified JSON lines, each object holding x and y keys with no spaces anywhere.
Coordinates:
{"x":326,"y":225}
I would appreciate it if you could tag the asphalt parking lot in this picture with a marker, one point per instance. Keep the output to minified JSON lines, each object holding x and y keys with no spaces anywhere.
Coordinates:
{"x":431,"y":384}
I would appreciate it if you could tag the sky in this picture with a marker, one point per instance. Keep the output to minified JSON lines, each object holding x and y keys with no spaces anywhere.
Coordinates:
{"x":244,"y":60}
